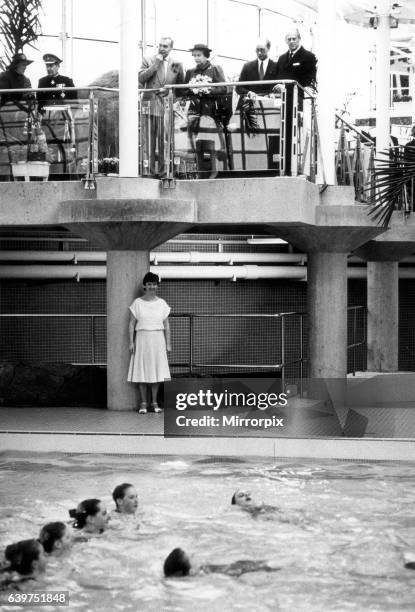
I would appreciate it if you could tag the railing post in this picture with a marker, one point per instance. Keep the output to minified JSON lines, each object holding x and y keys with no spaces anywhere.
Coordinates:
{"x":92,"y":339}
{"x":168,"y":118}
{"x":301,"y":354}
{"x":89,"y":181}
{"x":283,"y":353}
{"x":191,"y":345}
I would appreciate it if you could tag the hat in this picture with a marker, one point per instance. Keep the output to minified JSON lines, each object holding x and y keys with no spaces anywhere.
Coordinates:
{"x":50,"y":58}
{"x":200,"y":47}
{"x":20,"y":57}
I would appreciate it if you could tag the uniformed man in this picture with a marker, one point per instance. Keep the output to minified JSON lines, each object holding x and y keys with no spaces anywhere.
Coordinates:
{"x":14,"y":78}
{"x":54,"y":79}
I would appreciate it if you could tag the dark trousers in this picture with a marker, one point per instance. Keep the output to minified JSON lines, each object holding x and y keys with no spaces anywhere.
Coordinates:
{"x":153,"y":144}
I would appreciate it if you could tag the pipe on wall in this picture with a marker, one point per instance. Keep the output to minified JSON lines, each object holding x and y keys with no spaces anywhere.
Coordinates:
{"x":156,"y":257}
{"x":234,"y":273}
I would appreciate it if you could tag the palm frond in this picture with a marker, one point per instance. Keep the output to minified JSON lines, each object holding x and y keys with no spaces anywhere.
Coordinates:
{"x":394,"y":184}
{"x":19,"y":26}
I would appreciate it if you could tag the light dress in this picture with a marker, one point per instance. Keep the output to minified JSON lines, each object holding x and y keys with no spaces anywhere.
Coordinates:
{"x":148,"y":363}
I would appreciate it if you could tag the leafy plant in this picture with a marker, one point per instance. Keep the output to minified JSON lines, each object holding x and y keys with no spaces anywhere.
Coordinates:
{"x":395,"y":184}
{"x":19,"y":26}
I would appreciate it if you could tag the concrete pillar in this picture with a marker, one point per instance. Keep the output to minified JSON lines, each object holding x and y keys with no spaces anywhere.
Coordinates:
{"x":383,"y":316}
{"x":326,"y":37}
{"x":383,"y":76}
{"x":130,"y":34}
{"x":327,"y":312}
{"x":125,"y":271}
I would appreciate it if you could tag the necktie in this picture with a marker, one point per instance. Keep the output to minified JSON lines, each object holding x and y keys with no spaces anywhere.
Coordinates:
{"x":261,"y":71}
{"x":291,"y":56}
{"x":165,"y":65}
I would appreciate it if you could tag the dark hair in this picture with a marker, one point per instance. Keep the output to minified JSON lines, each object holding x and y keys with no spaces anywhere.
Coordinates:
{"x":51,"y":533}
{"x":151,"y":278}
{"x":119,"y":491}
{"x":176,"y":564}
{"x":233,"y":502}
{"x":88,"y":507}
{"x":22,"y":554}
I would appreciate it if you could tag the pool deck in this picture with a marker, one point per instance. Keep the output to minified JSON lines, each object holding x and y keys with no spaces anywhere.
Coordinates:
{"x":88,"y":430}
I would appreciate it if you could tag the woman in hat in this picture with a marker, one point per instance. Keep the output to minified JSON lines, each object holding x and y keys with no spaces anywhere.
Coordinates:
{"x":206,"y":102}
{"x":149,"y":338}
{"x":14,"y":78}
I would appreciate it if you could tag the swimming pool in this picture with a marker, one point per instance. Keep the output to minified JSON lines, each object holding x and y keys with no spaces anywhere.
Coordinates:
{"x":341,"y":555}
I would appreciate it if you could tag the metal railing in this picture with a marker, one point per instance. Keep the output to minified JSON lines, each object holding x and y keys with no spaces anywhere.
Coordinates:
{"x":290,"y":351}
{"x":181,"y":134}
{"x":192,"y":363}
{"x":355,"y":161}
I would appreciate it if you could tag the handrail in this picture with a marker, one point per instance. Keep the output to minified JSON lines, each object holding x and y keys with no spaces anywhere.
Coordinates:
{"x":354,"y":129}
{"x":191,"y":364}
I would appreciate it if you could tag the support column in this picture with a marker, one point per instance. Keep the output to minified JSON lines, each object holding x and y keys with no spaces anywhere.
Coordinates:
{"x":326,"y":37}
{"x":130,"y":34}
{"x":383,"y":76}
{"x":125,"y":271}
{"x":327,"y":311}
{"x":383,"y":316}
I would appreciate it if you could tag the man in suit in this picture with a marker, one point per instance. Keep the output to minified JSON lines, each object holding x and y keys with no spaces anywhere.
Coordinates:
{"x":299,"y":65}
{"x":156,"y":72}
{"x":54,"y":79}
{"x":260,"y":69}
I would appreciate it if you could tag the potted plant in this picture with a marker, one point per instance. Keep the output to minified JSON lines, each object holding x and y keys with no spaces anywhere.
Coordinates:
{"x":20,"y":26}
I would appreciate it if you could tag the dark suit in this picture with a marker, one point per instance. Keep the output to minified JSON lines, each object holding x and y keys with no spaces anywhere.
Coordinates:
{"x":50,"y":97}
{"x":301,"y":67}
{"x":250,"y":72}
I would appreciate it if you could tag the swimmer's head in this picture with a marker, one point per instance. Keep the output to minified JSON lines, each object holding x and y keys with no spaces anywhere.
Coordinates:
{"x":242,"y":498}
{"x":91,"y":515}
{"x":26,"y":557}
{"x":177,"y":563}
{"x":55,"y":538}
{"x":125,"y":498}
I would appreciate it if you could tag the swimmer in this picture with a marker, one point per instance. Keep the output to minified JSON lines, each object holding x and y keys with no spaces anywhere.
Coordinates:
{"x":55,"y":538}
{"x":244,"y":500}
{"x":91,"y":516}
{"x":125,"y":499}
{"x":178,"y":564}
{"x":26,"y":560}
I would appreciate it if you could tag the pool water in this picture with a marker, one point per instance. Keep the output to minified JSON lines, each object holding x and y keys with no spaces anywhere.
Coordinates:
{"x":344,"y":528}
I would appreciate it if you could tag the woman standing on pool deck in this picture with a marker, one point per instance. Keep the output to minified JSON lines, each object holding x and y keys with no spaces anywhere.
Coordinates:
{"x":149,"y":321}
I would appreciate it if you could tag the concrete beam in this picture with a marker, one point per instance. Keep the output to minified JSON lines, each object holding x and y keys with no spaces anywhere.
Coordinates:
{"x":123,"y":225}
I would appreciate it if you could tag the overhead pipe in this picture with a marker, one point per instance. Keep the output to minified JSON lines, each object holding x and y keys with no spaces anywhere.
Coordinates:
{"x":248,"y":272}
{"x":157,"y":257}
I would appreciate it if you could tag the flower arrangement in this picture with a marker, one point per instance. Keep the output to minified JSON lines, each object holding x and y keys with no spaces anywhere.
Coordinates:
{"x":197,"y":80}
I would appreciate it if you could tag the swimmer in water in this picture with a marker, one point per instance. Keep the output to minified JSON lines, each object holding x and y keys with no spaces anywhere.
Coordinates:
{"x":125,"y":498}
{"x":178,"y":564}
{"x":244,"y":500}
{"x":55,"y":538}
{"x":91,"y":516}
{"x":25,"y":560}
